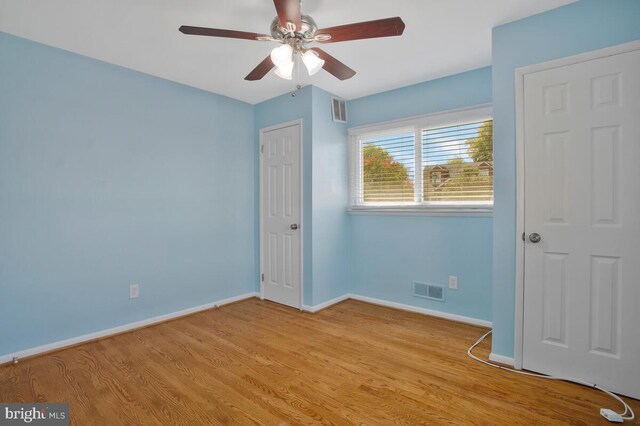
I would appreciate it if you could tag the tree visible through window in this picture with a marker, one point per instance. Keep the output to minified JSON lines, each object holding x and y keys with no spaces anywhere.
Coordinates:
{"x":388,"y":171}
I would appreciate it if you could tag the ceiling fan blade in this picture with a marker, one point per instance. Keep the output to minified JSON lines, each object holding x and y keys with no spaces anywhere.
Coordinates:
{"x":217,"y":32}
{"x":370,"y":29}
{"x":261,"y":70}
{"x":334,"y":66}
{"x":289,"y":10}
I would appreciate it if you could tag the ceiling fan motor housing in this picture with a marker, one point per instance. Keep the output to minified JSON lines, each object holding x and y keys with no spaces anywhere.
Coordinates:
{"x":307,"y":31}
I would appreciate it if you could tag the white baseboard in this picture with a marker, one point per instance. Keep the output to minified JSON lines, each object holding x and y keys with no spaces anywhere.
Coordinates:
{"x":501,"y":359}
{"x":321,"y":306}
{"x":424,"y":311}
{"x":401,"y":306}
{"x":122,"y":328}
{"x":312,"y":309}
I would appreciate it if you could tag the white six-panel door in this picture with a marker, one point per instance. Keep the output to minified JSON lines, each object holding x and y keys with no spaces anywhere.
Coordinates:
{"x":582,"y":196}
{"x":281,"y":233}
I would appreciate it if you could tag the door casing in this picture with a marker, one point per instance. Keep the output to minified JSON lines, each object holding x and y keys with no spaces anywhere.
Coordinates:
{"x":520,"y":195}
{"x":301,"y":201}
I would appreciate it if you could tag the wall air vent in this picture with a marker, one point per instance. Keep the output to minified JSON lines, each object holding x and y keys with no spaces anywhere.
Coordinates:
{"x":339,"y":110}
{"x":428,"y":291}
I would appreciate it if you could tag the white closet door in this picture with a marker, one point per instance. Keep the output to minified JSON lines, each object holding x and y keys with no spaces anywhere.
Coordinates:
{"x":281,"y":255}
{"x":582,"y":196}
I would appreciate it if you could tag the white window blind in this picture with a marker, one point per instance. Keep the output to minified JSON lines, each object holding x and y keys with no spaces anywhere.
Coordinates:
{"x":458,"y":163}
{"x":432,"y":162}
{"x":387,"y":168}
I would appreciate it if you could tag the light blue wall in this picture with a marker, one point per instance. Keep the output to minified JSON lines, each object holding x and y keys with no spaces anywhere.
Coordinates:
{"x":579,"y":27}
{"x":325,"y":185}
{"x":110,"y":177}
{"x":283,"y":109}
{"x":330,"y":187}
{"x":389,"y":252}
{"x":456,"y":91}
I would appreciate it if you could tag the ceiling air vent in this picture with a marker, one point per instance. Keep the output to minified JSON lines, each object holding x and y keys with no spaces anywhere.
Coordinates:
{"x":339,"y":110}
{"x":428,"y":291}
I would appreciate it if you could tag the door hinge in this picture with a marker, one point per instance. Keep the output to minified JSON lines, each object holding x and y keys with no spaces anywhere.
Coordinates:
{"x":261,"y":149}
{"x":262,"y":277}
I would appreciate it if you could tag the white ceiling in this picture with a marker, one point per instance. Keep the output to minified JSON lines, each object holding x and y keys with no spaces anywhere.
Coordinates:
{"x":442,"y":37}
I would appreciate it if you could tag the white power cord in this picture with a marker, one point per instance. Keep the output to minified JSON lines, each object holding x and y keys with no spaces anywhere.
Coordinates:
{"x":610,"y":415}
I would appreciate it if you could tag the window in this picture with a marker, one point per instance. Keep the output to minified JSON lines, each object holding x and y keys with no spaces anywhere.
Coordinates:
{"x":441,"y":162}
{"x":388,"y":168}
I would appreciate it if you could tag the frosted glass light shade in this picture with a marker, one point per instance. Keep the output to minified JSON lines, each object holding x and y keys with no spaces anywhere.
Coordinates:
{"x":282,"y":56}
{"x":312,"y":62}
{"x":285,"y":72}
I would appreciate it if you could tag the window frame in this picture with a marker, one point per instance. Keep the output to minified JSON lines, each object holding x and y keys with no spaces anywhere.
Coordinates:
{"x":416,"y":125}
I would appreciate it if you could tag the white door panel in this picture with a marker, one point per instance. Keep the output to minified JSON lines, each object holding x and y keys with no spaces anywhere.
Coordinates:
{"x":280,"y":210}
{"x":582,"y":195}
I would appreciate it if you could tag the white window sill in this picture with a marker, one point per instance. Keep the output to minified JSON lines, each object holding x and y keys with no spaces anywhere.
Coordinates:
{"x":484,"y":211}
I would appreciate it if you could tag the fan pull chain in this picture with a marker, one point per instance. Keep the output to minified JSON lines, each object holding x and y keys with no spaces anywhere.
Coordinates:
{"x":296,"y":74}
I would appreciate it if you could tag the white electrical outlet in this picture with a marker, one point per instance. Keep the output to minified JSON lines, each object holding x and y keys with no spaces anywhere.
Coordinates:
{"x":134,"y":291}
{"x":453,"y":282}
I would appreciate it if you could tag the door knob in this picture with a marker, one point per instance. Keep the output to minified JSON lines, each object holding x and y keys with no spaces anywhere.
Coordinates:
{"x":294,"y":226}
{"x":535,"y":237}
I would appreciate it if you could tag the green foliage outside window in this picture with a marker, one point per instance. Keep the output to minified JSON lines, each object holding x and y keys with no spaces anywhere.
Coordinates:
{"x":384,"y":178}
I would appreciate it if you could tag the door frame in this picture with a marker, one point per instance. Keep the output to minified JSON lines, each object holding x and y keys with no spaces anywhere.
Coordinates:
{"x":520,"y":74}
{"x":264,"y":130}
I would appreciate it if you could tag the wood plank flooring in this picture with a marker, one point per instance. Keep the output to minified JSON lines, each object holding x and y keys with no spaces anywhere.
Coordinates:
{"x":256,"y":362}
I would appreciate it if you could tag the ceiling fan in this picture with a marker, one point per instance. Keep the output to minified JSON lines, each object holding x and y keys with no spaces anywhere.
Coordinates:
{"x":295,"y":31}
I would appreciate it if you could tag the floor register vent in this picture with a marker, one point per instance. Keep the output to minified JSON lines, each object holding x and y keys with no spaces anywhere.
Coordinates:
{"x":428,"y":291}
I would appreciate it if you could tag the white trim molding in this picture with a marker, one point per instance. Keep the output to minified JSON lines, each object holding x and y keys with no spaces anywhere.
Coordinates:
{"x":419,"y":211}
{"x":520,"y":74}
{"x":423,"y":311}
{"x":316,"y":308}
{"x":120,"y":329}
{"x":307,"y":308}
{"x":501,"y":359}
{"x":399,"y":306}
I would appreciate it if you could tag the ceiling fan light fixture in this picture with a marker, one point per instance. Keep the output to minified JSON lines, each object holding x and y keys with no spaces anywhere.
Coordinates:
{"x":285,"y":72}
{"x":312,"y":61}
{"x":282,"y":56}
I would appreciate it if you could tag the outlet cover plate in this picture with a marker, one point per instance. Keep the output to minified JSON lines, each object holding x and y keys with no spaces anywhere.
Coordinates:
{"x":134,"y":291}
{"x":453,"y":282}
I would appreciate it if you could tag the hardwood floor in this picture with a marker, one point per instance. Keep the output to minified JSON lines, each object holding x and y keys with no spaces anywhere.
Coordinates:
{"x":256,"y":362}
